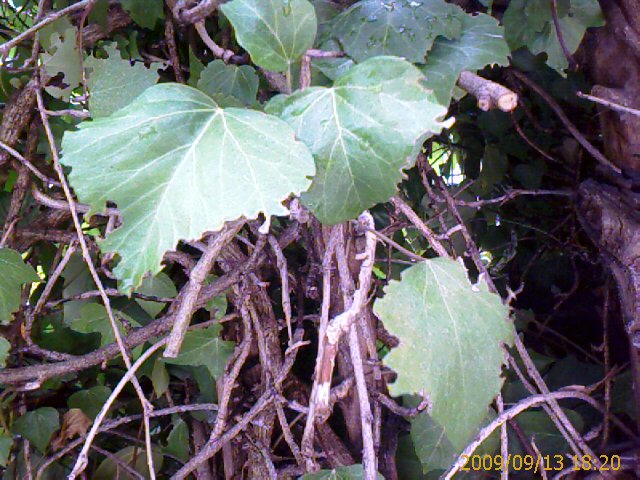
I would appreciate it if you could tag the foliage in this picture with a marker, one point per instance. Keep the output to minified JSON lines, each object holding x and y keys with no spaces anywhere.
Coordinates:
{"x":234,"y":198}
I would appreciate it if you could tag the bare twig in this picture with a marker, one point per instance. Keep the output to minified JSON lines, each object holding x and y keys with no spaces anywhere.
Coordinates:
{"x":217,"y":50}
{"x":191,"y":291}
{"x":426,"y":232}
{"x":15,"y":154}
{"x":553,"y":6}
{"x":582,"y":140}
{"x":281,"y":262}
{"x":81,"y":461}
{"x":609,"y":104}
{"x":53,"y":16}
{"x":488,"y":93}
{"x":518,"y":408}
{"x":146,"y":405}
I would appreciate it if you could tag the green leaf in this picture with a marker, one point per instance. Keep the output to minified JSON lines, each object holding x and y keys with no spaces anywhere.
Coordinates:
{"x":131,"y":456}
{"x":77,"y":280}
{"x":450,"y":343}
{"x":203,"y":347}
{"x":90,"y":401}
{"x":5,"y":348}
{"x":159,"y":378}
{"x":37,"y":426}
{"x":276,"y":33}
{"x":528,"y":23}
{"x":239,"y":82}
{"x":432,"y":446}
{"x":177,"y":165}
{"x":159,"y":286}
{"x":359,"y":133}
{"x":5,"y":449}
{"x":63,"y":57}
{"x":93,"y":318}
{"x":403,"y":28}
{"x":481,"y":43}
{"x":145,"y":13}
{"x":114,"y":82}
{"x":352,"y":472}
{"x":195,"y":68}
{"x":13,"y":274}
{"x":178,"y":441}
{"x":537,"y":424}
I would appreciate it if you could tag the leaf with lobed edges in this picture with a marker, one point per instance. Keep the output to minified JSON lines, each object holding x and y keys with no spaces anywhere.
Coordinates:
{"x":358,"y":133}
{"x":177,"y":165}
{"x":451,"y":336}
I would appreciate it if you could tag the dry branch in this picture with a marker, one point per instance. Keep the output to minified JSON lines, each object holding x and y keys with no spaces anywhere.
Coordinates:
{"x":489,"y":94}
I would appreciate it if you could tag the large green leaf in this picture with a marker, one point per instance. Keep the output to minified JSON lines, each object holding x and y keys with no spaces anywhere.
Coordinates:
{"x":240,"y":82}
{"x":450,"y":343}
{"x":481,"y":43}
{"x":404,"y":28}
{"x":38,"y":426}
{"x":276,"y":33}
{"x":203,"y":347}
{"x":178,"y":440}
{"x":177,"y":165}
{"x":114,"y":82}
{"x":13,"y":273}
{"x":359,"y":133}
{"x":528,"y":23}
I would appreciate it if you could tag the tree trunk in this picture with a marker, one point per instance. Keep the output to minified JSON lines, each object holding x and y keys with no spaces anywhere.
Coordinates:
{"x":610,"y":210}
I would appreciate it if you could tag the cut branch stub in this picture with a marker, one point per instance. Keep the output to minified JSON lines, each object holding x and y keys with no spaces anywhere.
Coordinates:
{"x":489,"y":94}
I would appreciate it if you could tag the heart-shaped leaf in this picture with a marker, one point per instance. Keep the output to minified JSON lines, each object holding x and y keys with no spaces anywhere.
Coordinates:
{"x":276,"y":33}
{"x":359,"y":133}
{"x":450,"y":343}
{"x":178,"y":165}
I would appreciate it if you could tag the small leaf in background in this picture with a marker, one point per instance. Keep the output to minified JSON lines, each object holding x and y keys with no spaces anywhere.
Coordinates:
{"x":528,"y":23}
{"x":113,"y":82}
{"x":199,"y":166}
{"x":204,"y":347}
{"x":159,"y":378}
{"x":5,"y":449}
{"x":275,"y":33}
{"x":90,"y":401}
{"x":480,"y":43}
{"x":74,"y":423}
{"x":195,"y":68}
{"x":402,"y":28}
{"x":451,"y":335}
{"x":352,"y":472}
{"x":160,"y":286}
{"x":432,"y":447}
{"x":178,"y":440}
{"x":63,"y":57}
{"x":77,"y":280}
{"x":5,"y":348}
{"x":132,"y":456}
{"x":37,"y":426}
{"x":145,"y":13}
{"x":93,"y":318}
{"x":240,"y":82}
{"x":358,"y":133}
{"x":13,"y":274}
{"x":536,"y":424}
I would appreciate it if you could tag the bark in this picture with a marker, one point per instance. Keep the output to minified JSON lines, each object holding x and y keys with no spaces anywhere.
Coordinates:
{"x":610,"y":214}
